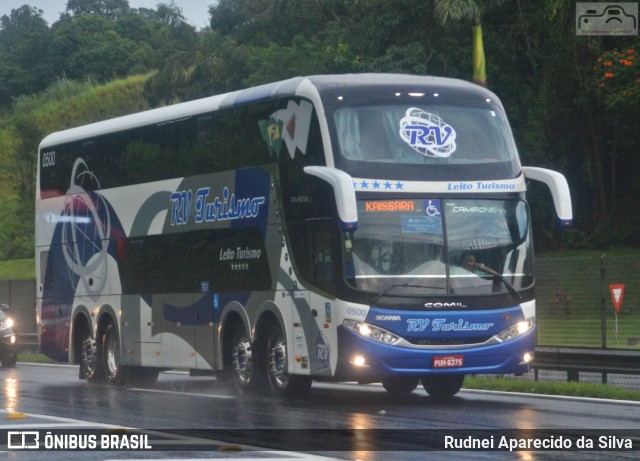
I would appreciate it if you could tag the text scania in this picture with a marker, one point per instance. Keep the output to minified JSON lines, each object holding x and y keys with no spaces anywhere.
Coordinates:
{"x":209,"y":210}
{"x":388,"y":318}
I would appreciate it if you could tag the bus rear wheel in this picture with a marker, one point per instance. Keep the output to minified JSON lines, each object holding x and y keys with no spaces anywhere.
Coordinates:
{"x":442,"y":386}
{"x":90,"y":361}
{"x":114,"y":372}
{"x":400,"y":385}
{"x":243,"y":369}
{"x":281,"y":383}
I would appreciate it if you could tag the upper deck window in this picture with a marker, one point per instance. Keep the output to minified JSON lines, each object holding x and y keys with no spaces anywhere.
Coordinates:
{"x":423,"y":134}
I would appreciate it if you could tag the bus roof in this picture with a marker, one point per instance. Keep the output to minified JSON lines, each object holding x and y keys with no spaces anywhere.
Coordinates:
{"x":309,"y":86}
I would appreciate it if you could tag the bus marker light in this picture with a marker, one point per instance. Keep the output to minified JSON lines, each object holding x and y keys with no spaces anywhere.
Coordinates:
{"x":298,"y":358}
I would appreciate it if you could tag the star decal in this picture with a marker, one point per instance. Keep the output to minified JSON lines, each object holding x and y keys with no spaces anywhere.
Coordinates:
{"x":364,"y":184}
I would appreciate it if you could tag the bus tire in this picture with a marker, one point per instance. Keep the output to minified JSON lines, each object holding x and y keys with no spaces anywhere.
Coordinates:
{"x":400,"y":385}
{"x":281,"y":383}
{"x":91,"y":360}
{"x":243,"y":364}
{"x":114,"y":371}
{"x":442,"y":386}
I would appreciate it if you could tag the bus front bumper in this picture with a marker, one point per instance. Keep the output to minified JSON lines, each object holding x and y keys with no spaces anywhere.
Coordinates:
{"x":364,"y":359}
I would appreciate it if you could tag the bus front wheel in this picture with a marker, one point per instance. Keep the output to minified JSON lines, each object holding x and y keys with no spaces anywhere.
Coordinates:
{"x":442,"y":386}
{"x":400,"y":385}
{"x":281,"y":383}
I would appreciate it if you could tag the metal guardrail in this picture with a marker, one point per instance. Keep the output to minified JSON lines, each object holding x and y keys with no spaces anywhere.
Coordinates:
{"x":576,"y":360}
{"x":28,"y":342}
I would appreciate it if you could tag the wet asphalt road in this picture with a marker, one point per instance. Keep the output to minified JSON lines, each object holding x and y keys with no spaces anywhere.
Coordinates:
{"x":197,"y":417}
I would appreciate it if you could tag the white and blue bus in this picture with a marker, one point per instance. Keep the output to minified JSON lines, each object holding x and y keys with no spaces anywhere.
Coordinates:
{"x":368,"y":228}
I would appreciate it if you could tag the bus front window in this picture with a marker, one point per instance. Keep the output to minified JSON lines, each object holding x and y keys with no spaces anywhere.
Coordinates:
{"x":398,"y":243}
{"x":488,"y":246}
{"x":400,"y":248}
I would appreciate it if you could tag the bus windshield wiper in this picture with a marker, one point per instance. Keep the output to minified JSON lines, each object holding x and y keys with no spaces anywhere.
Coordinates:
{"x":500,"y":277}
{"x":400,"y":285}
{"x":510,"y":287}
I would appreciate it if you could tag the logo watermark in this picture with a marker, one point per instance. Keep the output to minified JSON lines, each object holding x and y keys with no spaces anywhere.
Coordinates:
{"x":23,"y":440}
{"x":607,"y":18}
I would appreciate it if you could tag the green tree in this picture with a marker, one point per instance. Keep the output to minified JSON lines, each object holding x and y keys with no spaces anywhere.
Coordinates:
{"x":107,"y":8}
{"x":473,"y":10}
{"x":25,"y":63}
{"x":90,"y":46}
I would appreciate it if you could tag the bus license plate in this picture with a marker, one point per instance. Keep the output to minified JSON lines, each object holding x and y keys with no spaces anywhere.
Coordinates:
{"x":448,"y":361}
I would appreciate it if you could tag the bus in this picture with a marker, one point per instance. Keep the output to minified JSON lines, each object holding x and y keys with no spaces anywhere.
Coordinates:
{"x":365,"y":227}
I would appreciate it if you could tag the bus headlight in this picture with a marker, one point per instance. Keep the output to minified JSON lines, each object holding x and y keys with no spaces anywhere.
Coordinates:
{"x":371,"y":331}
{"x":515,"y":330}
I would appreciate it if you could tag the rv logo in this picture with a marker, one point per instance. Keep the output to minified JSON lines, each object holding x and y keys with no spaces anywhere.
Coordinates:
{"x":417,"y":324}
{"x":427,"y":133}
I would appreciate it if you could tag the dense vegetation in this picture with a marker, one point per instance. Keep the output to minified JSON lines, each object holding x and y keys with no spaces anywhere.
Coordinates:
{"x":574,"y":102}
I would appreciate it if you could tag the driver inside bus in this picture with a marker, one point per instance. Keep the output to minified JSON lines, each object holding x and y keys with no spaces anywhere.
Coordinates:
{"x":469,"y":263}
{"x":381,"y":257}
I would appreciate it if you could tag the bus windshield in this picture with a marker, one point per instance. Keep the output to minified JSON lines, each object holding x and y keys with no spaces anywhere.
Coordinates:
{"x":412,"y":132}
{"x":429,"y":246}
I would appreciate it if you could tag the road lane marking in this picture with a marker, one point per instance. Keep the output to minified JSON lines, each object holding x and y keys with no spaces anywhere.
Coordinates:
{"x":191,"y":394}
{"x":59,"y":422}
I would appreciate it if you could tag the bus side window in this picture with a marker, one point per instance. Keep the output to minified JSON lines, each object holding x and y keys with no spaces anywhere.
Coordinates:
{"x":313,"y":251}
{"x":322,"y":255}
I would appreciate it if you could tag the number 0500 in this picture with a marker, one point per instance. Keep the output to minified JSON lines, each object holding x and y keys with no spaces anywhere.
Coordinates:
{"x":48,"y":159}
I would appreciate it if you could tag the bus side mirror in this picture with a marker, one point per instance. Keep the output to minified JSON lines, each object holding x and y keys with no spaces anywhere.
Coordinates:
{"x":343,"y":191}
{"x":557,"y":183}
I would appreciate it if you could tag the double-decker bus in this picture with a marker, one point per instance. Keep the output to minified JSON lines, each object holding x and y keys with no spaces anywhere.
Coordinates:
{"x":339,"y":227}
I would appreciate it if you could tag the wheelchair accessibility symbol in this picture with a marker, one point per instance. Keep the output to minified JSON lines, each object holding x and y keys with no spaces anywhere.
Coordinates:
{"x":432,"y":209}
{"x":606,"y":18}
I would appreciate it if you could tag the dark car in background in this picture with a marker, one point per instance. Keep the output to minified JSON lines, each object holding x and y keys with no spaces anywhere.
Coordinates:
{"x":8,"y":338}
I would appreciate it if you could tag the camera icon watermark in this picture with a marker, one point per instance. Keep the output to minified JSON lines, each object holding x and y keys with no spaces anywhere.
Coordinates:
{"x":607,"y":18}
{"x":23,"y":440}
